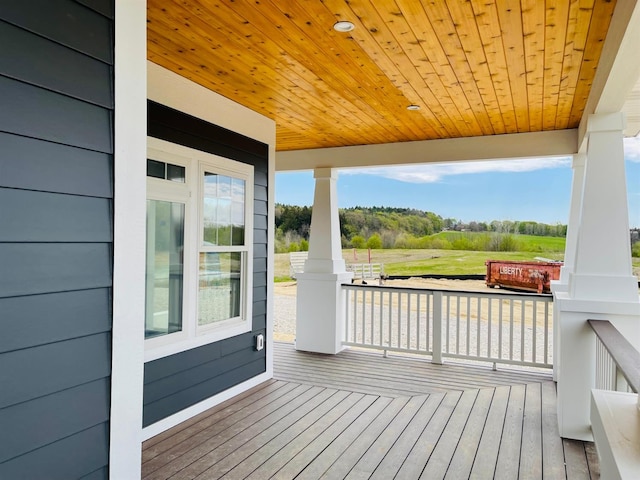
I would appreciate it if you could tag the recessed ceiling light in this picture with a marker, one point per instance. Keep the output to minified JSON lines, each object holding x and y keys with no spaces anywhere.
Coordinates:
{"x":343,"y":26}
{"x":413,"y":107}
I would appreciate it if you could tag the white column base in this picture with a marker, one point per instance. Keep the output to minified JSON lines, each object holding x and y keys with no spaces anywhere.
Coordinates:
{"x":577,"y":356}
{"x":557,"y":286}
{"x":613,"y":288}
{"x":325,"y":265}
{"x":320,"y":312}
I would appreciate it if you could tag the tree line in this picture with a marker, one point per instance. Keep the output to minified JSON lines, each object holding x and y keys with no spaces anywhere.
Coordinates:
{"x":389,"y":227}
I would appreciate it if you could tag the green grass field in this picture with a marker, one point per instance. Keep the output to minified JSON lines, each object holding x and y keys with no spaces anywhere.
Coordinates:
{"x":422,"y":262}
{"x":448,"y":262}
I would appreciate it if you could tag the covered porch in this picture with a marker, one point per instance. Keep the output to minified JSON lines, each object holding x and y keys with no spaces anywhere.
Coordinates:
{"x":557,"y":105}
{"x":95,"y":91}
{"x":516,"y":80}
{"x":360,"y":415}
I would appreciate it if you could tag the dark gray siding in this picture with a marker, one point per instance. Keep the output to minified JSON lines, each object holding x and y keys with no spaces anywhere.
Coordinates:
{"x":56,"y":184}
{"x":179,"y":381}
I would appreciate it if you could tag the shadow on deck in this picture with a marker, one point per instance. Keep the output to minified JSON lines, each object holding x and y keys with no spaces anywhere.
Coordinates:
{"x":359,"y":415}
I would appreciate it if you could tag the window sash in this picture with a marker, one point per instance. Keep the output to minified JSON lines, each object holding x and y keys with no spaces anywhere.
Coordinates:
{"x":164,"y":291}
{"x":191,"y":193}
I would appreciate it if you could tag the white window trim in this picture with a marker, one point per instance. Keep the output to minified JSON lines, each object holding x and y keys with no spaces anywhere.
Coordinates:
{"x":191,"y":193}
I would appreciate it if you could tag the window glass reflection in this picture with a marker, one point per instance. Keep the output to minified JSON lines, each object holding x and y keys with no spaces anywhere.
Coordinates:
{"x":164,"y":271}
{"x":223,"y":210}
{"x":219,"y":287}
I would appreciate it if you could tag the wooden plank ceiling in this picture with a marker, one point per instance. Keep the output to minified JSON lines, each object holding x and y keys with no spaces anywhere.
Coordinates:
{"x":475,"y":67}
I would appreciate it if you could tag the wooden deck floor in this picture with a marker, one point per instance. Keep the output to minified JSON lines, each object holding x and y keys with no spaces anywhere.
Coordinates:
{"x":359,"y":415}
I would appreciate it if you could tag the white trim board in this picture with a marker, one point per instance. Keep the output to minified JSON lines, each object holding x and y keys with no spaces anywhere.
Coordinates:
{"x":130,"y":125}
{"x":488,"y":147}
{"x":177,"y":92}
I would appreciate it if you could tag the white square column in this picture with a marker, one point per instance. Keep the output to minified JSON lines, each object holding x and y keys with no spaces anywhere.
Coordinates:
{"x":320,"y":308}
{"x":601,"y":284}
{"x":562,"y":285}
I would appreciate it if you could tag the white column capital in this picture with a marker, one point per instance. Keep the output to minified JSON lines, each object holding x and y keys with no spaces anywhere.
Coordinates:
{"x":578,"y":160}
{"x":606,"y":122}
{"x":602,"y":264}
{"x":325,"y":173}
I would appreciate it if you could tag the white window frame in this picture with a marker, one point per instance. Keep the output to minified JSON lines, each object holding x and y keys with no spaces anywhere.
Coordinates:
{"x":191,"y":193}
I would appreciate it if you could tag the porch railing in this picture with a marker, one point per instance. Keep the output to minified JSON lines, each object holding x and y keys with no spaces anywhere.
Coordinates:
{"x":617,"y":361}
{"x":503,"y":328}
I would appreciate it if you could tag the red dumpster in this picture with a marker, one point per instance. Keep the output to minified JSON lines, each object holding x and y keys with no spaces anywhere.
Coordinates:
{"x":529,"y":276}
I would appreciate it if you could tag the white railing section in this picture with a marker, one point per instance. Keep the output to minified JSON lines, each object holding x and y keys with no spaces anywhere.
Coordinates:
{"x":608,"y":375}
{"x":366,"y":271}
{"x":503,"y":328}
{"x":616,"y":360}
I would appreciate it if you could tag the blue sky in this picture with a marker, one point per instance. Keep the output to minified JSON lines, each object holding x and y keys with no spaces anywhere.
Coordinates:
{"x":527,"y":189}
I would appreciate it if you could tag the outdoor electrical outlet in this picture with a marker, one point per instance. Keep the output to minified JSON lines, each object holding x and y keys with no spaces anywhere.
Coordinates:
{"x":259,"y":342}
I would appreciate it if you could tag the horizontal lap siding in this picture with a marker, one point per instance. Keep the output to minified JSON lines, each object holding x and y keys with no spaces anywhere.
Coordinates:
{"x":179,"y":381}
{"x":56,"y":240}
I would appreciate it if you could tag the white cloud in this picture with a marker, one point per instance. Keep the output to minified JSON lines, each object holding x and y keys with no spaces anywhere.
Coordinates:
{"x":433,"y":173}
{"x":632,"y":149}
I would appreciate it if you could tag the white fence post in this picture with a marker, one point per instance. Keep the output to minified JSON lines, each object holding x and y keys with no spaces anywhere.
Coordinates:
{"x":437,"y":328}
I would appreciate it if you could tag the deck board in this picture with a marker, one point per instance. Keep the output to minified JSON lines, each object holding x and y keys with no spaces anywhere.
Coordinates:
{"x":195,"y":447}
{"x":166,"y":440}
{"x":424,"y":446}
{"x":324,"y":440}
{"x":484,"y":464}
{"x":448,"y":442}
{"x":531,"y":458}
{"x":360,"y":415}
{"x":394,"y":376}
{"x":552,"y":451}
{"x":330,"y":455}
{"x":265,"y":430}
{"x":385,"y":441}
{"x":298,"y":438}
{"x":577,"y":466}
{"x":508,"y":462}
{"x":354,"y":452}
{"x":465,"y":453}
{"x":397,"y":455}
{"x":260,"y":456}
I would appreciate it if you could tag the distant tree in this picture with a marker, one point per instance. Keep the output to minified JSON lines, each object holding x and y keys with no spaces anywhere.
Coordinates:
{"x":358,"y":242}
{"x":388,"y":238}
{"x":374,"y":242}
{"x":402,"y":228}
{"x":462,"y":243}
{"x":503,"y":243}
{"x":294,"y":247}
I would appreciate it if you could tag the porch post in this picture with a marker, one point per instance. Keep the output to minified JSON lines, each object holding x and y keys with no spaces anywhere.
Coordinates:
{"x":562,"y":285}
{"x":601,"y":285}
{"x":130,"y":137}
{"x":320,"y":301}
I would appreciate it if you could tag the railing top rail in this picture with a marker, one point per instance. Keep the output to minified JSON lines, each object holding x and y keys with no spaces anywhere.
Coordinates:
{"x":627,"y":358}
{"x":512,"y":295}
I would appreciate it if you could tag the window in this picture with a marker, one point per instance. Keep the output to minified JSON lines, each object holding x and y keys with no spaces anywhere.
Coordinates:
{"x":199,"y":248}
{"x":165,"y":272}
